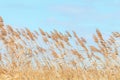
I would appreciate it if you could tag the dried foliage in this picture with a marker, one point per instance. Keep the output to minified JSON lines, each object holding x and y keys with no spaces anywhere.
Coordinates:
{"x":27,"y":55}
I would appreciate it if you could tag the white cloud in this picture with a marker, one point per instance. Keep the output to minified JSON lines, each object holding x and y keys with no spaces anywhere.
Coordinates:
{"x":70,"y":9}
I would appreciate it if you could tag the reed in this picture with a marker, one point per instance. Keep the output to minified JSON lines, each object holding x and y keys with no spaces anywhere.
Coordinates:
{"x":27,"y":55}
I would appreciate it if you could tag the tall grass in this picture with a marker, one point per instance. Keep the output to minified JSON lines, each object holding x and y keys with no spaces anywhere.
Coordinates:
{"x":39,"y":55}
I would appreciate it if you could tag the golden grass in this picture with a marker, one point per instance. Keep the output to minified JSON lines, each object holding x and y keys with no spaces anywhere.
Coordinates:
{"x":27,"y":55}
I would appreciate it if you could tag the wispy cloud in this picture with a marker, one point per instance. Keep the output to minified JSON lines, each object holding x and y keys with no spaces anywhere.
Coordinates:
{"x":70,"y":9}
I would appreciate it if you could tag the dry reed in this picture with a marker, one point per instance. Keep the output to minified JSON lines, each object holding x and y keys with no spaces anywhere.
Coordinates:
{"x":27,"y":55}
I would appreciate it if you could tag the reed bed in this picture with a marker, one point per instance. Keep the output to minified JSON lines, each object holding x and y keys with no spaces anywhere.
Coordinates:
{"x":39,"y":55}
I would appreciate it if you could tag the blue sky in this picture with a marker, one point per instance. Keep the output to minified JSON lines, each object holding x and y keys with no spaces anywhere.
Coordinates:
{"x":82,"y":16}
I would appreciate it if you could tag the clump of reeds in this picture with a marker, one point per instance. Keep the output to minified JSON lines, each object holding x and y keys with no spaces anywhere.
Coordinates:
{"x":27,"y":55}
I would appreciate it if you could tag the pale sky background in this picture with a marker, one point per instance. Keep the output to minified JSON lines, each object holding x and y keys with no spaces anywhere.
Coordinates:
{"x":82,"y":16}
